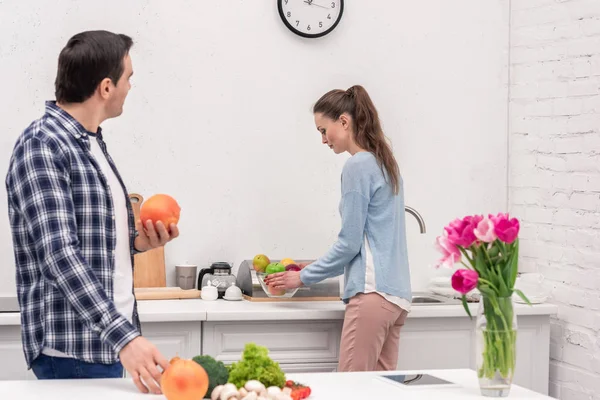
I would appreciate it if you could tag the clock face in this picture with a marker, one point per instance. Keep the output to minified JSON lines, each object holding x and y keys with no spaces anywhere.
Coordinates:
{"x":311,"y":18}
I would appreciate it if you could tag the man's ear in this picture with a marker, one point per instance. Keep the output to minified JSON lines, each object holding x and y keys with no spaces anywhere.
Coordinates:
{"x":105,"y":88}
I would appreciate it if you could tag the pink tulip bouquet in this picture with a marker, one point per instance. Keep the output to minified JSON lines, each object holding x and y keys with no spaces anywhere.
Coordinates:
{"x":488,"y":248}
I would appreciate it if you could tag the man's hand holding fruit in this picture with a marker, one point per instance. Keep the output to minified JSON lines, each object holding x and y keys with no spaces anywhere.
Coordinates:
{"x":157,"y":224}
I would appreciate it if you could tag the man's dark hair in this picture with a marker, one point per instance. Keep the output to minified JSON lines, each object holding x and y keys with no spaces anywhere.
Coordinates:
{"x":87,"y":59}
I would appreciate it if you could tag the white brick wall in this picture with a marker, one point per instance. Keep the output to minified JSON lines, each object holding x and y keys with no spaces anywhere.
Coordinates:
{"x":554,"y":182}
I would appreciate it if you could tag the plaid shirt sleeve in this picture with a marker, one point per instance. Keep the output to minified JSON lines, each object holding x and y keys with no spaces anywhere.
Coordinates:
{"x":43,"y":194}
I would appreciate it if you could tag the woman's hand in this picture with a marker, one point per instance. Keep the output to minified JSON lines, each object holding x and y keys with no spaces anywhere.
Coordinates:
{"x":150,"y":238}
{"x":284,"y":280}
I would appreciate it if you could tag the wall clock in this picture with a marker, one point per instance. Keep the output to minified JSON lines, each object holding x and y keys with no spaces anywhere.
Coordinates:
{"x":311,"y":18}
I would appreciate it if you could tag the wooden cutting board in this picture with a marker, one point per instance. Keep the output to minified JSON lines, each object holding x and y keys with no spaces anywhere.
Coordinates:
{"x":165,"y":293}
{"x":149,"y":266}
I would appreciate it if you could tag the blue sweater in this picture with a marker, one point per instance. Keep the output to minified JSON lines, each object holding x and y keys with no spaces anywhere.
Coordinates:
{"x":368,"y":208}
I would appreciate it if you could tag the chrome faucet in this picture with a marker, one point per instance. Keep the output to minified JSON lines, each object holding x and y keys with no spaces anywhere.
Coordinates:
{"x":418,"y":217}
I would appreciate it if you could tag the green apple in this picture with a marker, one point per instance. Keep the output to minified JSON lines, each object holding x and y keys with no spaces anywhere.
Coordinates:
{"x":275,"y":267}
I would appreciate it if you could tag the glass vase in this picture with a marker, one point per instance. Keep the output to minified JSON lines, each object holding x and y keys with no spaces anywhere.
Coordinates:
{"x":496,"y":341}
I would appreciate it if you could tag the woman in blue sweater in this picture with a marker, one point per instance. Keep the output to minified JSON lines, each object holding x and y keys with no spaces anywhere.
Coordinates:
{"x":371,"y":248}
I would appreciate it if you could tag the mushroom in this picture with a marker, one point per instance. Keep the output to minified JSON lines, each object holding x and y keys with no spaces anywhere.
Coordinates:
{"x":243,"y":392}
{"x":262,"y":398}
{"x":254,"y":386}
{"x":273,"y":392}
{"x":287,"y":390}
{"x":231,"y":386}
{"x":283,"y":396}
{"x":216,"y":392}
{"x":251,"y":396}
{"x":229,"y":393}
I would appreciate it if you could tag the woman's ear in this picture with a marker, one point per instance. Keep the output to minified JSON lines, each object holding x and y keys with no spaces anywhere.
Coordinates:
{"x":345,"y":121}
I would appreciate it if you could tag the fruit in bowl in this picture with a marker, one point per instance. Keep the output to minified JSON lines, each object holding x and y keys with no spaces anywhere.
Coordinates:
{"x":292,"y":267}
{"x":287,"y":261}
{"x":273,"y":292}
{"x":274,"y":268}
{"x":260,"y":262}
{"x":276,"y":292}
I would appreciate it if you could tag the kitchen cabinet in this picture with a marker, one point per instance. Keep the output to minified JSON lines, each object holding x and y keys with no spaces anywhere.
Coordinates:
{"x":425,"y":343}
{"x":175,"y":338}
{"x":298,"y":346}
{"x":449,"y":343}
{"x":171,"y":338}
{"x":308,"y":368}
{"x":13,"y":365}
{"x":438,"y":343}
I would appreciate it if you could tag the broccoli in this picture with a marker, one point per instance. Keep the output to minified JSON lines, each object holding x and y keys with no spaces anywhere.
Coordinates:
{"x":217,"y":372}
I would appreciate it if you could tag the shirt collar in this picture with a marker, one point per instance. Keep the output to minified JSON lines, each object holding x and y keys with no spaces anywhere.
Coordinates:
{"x":70,"y":124}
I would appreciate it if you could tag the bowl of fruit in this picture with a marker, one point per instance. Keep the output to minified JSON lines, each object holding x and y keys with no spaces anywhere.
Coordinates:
{"x":265,"y":267}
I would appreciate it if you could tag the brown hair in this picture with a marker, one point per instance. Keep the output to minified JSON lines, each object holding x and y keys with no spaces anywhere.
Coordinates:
{"x":367,"y":129}
{"x":87,"y":59}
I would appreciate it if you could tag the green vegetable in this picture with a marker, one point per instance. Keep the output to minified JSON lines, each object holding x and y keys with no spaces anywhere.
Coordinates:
{"x":256,"y":364}
{"x":217,"y":371}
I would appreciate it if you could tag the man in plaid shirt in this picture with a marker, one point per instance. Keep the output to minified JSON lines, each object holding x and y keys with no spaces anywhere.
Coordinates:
{"x":73,"y":227}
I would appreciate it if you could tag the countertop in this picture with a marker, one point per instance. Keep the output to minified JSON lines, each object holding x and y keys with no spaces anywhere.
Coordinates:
{"x":223,"y":310}
{"x":324,"y":386}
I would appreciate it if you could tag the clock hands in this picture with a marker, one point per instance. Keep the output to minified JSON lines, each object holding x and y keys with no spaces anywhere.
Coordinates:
{"x":311,"y":3}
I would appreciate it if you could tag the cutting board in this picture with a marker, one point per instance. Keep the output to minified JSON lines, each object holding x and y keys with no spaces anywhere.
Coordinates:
{"x":165,"y":293}
{"x":149,"y":266}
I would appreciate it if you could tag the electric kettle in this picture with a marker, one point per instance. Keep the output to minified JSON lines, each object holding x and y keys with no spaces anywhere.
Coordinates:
{"x":219,"y":274}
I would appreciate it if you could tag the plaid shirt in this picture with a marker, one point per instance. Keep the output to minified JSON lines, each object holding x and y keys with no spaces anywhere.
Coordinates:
{"x":64,"y":236}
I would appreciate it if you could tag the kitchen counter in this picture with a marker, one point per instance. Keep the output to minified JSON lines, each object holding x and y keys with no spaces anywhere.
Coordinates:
{"x":331,"y":310}
{"x":223,"y":310}
{"x":305,"y":336}
{"x":324,"y":386}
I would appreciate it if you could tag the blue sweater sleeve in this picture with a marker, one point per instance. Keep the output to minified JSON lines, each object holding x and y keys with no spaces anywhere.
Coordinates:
{"x":354,"y":208}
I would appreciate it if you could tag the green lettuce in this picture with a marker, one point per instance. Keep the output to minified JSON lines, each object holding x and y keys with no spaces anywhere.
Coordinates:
{"x":256,"y":365}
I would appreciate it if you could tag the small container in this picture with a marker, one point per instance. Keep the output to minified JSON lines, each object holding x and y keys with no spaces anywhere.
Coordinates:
{"x":209,"y":292}
{"x":233,"y":293}
{"x":186,"y":276}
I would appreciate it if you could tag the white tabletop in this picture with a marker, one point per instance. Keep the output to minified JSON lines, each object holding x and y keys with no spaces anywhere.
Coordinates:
{"x":324,"y":386}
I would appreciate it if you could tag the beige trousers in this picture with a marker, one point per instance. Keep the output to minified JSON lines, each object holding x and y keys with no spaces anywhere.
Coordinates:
{"x":371,"y":334}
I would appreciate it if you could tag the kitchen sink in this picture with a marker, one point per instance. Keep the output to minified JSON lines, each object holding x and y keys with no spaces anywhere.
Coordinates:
{"x":423,"y":298}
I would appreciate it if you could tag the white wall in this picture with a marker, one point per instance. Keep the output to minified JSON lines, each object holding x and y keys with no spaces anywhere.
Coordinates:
{"x":221,"y":89}
{"x":555,"y":175}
